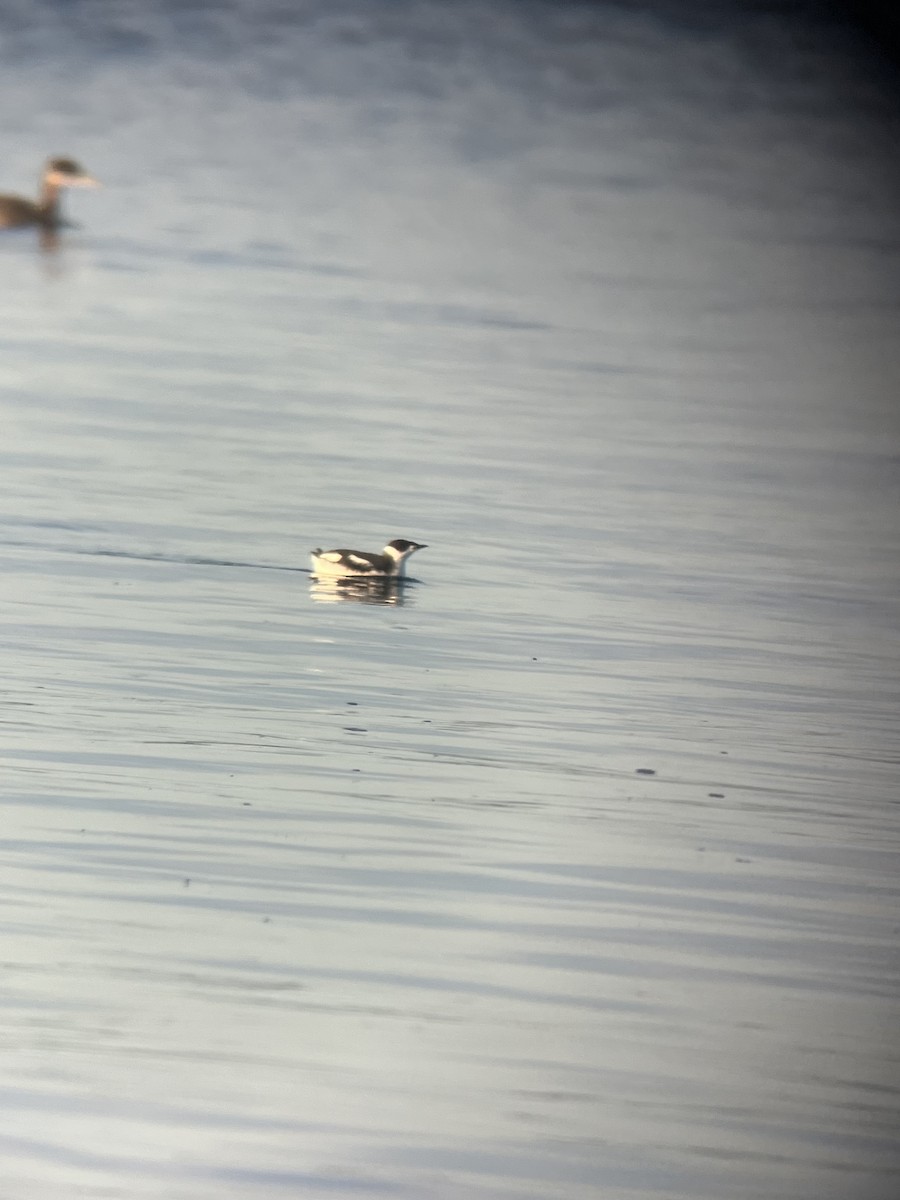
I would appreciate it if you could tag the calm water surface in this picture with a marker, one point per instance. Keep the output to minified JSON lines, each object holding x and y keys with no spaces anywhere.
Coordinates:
{"x":570,"y":869}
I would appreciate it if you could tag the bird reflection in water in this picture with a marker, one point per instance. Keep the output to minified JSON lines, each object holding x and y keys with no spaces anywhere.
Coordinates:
{"x":345,"y":590}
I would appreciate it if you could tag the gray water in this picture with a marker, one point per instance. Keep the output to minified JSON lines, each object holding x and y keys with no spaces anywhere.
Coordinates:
{"x":570,"y":868}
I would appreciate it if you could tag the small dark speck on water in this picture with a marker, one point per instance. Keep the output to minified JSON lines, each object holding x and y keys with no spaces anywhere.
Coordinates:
{"x":716,"y":795}
{"x":743,"y":860}
{"x":247,"y":803}
{"x":645,"y":771}
{"x":355,"y":729}
{"x":355,"y":703}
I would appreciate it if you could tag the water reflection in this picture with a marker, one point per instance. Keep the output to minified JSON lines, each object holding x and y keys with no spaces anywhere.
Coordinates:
{"x":49,"y":236}
{"x":360,"y":591}
{"x":49,"y":240}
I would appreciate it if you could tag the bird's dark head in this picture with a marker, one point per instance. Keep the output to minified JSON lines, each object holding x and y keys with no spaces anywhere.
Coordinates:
{"x":66,"y":172}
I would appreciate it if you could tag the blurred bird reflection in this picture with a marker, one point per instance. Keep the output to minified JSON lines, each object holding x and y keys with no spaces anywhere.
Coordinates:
{"x":360,"y":591}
